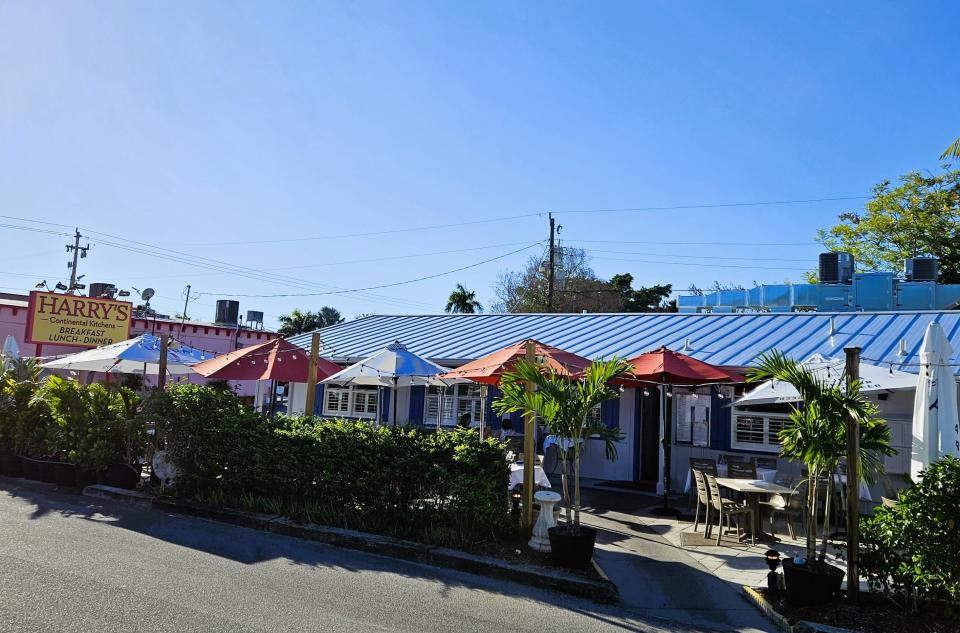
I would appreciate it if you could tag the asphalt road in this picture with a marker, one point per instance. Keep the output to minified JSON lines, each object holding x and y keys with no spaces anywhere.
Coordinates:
{"x":69,"y":563}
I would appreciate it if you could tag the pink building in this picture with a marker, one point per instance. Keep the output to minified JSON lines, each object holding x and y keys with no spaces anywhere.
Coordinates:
{"x":217,"y":338}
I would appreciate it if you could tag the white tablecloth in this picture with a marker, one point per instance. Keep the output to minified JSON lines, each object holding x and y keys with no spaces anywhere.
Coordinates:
{"x":539,"y":476}
{"x":766,"y":474}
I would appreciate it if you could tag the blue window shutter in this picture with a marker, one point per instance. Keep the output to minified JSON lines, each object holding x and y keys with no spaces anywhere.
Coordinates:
{"x":720,"y":420}
{"x":418,"y":394}
{"x":610,"y":413}
{"x":492,"y":419}
{"x":318,"y":402}
{"x":385,"y":404}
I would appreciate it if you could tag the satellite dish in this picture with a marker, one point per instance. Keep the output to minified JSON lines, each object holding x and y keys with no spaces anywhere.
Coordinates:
{"x":147,"y":294}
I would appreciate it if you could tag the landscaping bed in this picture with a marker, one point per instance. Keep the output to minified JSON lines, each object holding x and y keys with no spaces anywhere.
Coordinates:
{"x":873,"y":614}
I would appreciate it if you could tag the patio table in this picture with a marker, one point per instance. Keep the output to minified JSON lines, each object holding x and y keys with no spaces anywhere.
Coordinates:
{"x":539,"y":476}
{"x":753,"y":488}
{"x":766,"y":474}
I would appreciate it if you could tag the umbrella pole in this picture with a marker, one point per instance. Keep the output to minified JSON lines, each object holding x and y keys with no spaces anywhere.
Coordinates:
{"x":666,"y":510}
{"x":393,"y":408}
{"x":273,"y":398}
{"x":441,"y":389}
{"x":483,"y":407}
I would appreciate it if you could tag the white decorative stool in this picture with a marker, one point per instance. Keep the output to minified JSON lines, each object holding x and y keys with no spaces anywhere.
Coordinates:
{"x":540,"y":540}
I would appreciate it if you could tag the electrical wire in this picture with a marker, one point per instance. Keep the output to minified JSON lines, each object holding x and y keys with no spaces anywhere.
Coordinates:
{"x":763,"y":259}
{"x":389,"y":285}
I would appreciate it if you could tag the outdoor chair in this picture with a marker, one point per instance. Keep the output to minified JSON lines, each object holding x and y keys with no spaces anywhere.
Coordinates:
{"x":770,"y":463}
{"x":728,"y":510}
{"x":703,"y":499}
{"x":704,"y":464}
{"x":726,"y":459}
{"x":791,"y":506}
{"x":741,"y":470}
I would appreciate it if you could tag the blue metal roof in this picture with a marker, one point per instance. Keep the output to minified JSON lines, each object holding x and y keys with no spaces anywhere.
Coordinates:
{"x":721,"y":339}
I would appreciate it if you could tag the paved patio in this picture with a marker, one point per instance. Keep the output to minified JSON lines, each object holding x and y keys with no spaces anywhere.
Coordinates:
{"x":657,"y":576}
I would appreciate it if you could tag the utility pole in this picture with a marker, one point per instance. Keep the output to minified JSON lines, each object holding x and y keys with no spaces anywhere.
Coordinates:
{"x":183,"y":317}
{"x":853,"y":484}
{"x":78,"y":251}
{"x":550,"y":274}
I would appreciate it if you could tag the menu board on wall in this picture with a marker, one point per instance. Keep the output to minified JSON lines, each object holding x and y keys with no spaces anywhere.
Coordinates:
{"x":692,"y":417}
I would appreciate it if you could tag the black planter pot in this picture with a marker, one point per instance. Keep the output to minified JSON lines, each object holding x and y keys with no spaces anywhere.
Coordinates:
{"x":121,"y":476}
{"x":569,"y":550}
{"x":31,"y":468}
{"x":65,"y":474}
{"x":811,"y":583}
{"x":48,"y":471}
{"x":10,"y":465}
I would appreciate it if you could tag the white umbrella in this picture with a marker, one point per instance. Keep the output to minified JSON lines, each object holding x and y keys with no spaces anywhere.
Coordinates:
{"x":935,"y":424}
{"x":395,"y":366}
{"x":874,"y":379}
{"x":139,"y":355}
{"x":11,"y":352}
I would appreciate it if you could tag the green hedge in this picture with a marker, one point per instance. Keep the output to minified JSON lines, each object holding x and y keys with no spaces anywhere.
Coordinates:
{"x":911,"y":552}
{"x":94,"y":426}
{"x":448,"y":488}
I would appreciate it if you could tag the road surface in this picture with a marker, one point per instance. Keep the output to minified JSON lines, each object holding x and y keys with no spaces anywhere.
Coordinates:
{"x":70,"y":563}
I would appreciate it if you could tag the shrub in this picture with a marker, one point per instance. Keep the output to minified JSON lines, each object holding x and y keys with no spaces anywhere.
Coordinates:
{"x":911,"y":552}
{"x":448,"y":488}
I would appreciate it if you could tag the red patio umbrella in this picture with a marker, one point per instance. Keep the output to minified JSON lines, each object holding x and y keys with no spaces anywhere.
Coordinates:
{"x":489,"y":369}
{"x":277,"y":360}
{"x":664,"y":367}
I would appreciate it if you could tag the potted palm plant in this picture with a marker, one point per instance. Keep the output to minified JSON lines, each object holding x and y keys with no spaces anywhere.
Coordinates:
{"x":817,"y":436}
{"x":563,"y":406}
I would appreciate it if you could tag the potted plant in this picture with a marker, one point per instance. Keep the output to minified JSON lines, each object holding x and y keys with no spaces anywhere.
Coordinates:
{"x":563,"y":406}
{"x":817,"y":436}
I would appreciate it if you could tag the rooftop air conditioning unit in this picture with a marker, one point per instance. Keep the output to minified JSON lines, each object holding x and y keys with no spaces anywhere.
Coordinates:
{"x":921,"y":268}
{"x":836,"y":268}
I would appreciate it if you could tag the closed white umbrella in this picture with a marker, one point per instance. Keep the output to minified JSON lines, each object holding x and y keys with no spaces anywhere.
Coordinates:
{"x":10,"y":353}
{"x":935,"y":423}
{"x":395,"y":366}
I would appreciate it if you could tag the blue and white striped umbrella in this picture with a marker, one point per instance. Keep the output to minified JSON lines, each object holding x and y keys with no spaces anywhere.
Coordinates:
{"x":395,"y":366}
{"x":139,"y":355}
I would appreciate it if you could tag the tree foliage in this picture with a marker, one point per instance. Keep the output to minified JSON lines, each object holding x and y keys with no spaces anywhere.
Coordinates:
{"x":298,"y":322}
{"x":911,"y":551}
{"x":563,"y":406}
{"x":919,"y":216}
{"x":463,"y":301}
{"x":817,"y":433}
{"x":576,"y":288}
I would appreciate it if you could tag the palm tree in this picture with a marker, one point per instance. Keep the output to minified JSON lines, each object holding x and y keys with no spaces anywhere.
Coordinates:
{"x":817,"y":435}
{"x":298,"y":322}
{"x":563,"y":406}
{"x":953,"y":151}
{"x":463,"y":301}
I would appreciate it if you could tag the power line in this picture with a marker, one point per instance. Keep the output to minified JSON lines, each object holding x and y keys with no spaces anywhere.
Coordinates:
{"x":389,"y":285}
{"x":684,"y":207}
{"x":664,"y":243}
{"x":768,"y":259}
{"x":704,"y":265}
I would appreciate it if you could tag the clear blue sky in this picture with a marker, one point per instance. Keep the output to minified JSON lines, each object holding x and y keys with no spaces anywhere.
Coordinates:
{"x":193,"y":126}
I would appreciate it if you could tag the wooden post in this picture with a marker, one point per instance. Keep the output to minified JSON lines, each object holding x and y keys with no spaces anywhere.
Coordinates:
{"x":853,"y":484}
{"x":310,"y":408}
{"x":162,"y":371}
{"x":529,"y":447}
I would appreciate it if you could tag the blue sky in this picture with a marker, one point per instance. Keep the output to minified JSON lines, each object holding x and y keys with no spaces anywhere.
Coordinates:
{"x":216,"y":129}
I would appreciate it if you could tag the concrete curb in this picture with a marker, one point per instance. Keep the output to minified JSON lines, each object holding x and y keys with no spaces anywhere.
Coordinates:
{"x":101,"y":491}
{"x":541,"y":577}
{"x":802,"y":626}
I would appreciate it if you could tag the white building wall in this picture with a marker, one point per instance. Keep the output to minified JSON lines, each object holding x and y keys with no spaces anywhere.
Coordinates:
{"x":593,"y":461}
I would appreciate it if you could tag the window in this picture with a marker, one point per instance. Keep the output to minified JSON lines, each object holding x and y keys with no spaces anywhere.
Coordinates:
{"x":758,"y":431}
{"x":336,"y":401}
{"x":364,"y":402}
{"x":357,"y":402}
{"x":593,"y":416}
{"x":457,"y":400}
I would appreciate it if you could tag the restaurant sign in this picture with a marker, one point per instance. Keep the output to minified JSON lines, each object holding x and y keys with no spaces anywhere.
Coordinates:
{"x":72,"y":320}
